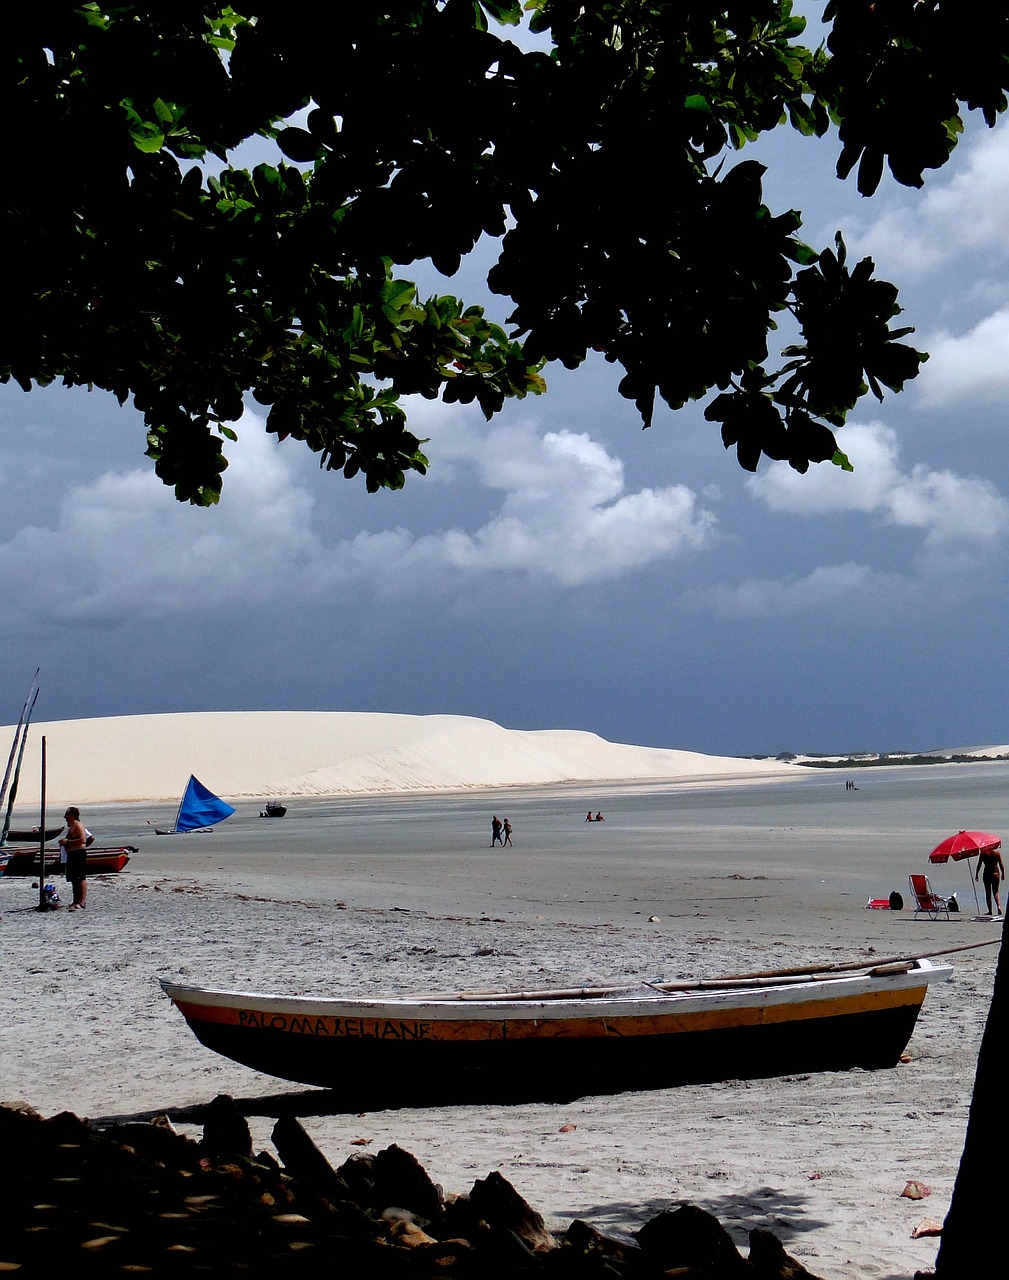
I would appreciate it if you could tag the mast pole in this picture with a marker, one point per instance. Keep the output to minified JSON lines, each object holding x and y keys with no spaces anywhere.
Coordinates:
{"x":43,"y":904}
{"x":14,"y":745}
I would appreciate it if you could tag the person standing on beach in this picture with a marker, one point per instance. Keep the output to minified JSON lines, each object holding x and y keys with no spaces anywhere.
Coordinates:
{"x":495,"y":832}
{"x":76,"y":842}
{"x":507,"y":833}
{"x":994,"y":872}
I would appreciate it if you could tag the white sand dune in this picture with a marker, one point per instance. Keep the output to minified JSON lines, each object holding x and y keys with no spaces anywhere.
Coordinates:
{"x":319,"y":753}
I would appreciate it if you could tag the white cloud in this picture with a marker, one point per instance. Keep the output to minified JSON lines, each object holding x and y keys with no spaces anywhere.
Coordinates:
{"x":947,"y":246}
{"x":948,"y":508}
{"x":565,"y":516}
{"x":121,"y":548}
{"x":579,"y":541}
{"x":853,"y":596}
{"x":824,"y":588}
{"x":960,"y":520}
{"x":962,"y":209}
{"x":974,"y":364}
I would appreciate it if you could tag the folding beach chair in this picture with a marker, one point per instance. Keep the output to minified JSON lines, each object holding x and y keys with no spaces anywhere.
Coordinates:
{"x":925,"y":900}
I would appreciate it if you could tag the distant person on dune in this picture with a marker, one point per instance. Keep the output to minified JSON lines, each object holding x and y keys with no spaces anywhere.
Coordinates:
{"x":994,"y":872}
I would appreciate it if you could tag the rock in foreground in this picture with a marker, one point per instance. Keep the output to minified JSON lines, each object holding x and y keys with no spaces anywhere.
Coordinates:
{"x":141,"y":1199}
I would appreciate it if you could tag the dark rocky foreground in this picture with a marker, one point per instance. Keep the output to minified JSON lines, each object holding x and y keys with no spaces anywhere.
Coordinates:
{"x":140,"y":1198}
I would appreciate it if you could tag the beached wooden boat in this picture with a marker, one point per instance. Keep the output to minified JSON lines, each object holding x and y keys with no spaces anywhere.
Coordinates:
{"x":23,"y":835}
{"x":25,"y":862}
{"x":551,"y":1046}
{"x":273,"y":809}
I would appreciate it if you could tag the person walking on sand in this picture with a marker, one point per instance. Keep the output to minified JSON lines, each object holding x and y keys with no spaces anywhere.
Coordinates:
{"x":990,"y":861}
{"x":495,"y":832}
{"x":76,"y":842}
{"x":507,"y":834}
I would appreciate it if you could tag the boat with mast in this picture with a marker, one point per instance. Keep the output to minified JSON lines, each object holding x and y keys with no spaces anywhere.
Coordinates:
{"x":199,"y":810}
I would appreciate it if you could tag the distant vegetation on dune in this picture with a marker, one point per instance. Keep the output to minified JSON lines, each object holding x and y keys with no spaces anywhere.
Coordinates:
{"x":885,"y":759}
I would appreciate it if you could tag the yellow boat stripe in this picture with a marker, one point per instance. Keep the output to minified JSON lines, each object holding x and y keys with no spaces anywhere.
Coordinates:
{"x":731,"y":1017}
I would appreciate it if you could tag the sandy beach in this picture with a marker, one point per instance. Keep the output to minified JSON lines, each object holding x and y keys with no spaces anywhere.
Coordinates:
{"x":713,"y":870}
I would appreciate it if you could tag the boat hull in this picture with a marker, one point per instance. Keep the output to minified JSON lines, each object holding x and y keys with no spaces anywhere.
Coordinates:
{"x":399,"y":1053}
{"x":101,"y":861}
{"x":24,"y":835}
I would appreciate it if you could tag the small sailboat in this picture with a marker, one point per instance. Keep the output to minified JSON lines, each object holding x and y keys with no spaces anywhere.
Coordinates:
{"x":199,"y":809}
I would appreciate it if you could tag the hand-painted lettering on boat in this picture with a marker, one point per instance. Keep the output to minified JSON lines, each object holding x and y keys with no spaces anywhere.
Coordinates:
{"x":352,"y":1028}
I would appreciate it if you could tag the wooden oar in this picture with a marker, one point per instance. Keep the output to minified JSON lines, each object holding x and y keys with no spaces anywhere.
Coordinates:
{"x":768,"y":977}
{"x":833,"y":966}
{"x":663,"y":988}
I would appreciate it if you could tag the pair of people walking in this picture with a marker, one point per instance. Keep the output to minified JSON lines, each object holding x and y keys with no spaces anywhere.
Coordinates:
{"x":500,"y":832}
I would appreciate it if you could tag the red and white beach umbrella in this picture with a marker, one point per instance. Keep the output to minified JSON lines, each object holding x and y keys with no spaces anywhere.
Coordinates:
{"x":965,"y":844}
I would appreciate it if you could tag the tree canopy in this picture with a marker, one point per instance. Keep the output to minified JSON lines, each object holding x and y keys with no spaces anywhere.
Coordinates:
{"x":144,"y":260}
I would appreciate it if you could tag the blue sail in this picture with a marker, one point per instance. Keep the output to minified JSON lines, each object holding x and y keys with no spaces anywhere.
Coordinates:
{"x":200,"y":807}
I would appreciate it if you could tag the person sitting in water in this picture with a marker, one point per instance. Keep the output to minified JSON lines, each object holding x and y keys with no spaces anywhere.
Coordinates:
{"x":589,"y":817}
{"x":600,"y":818}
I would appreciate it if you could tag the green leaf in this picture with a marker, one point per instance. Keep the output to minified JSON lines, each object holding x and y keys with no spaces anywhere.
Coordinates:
{"x":841,"y":460}
{"x":147,"y":136}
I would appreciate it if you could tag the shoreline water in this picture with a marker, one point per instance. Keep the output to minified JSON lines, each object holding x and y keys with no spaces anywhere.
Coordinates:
{"x":396,"y":894}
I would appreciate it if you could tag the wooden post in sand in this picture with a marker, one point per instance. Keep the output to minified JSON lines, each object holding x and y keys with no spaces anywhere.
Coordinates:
{"x":43,"y":904}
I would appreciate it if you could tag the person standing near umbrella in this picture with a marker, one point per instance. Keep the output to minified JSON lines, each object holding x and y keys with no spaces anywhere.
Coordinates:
{"x":966,"y":845}
{"x":990,"y":862}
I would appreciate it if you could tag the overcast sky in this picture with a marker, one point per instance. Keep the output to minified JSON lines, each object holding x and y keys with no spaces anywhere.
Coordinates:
{"x":558,"y":567}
